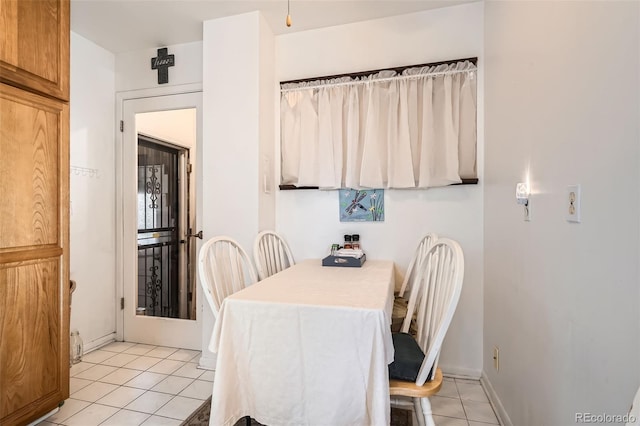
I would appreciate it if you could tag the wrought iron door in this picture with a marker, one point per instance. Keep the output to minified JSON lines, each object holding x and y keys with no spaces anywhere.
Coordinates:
{"x":159,"y":244}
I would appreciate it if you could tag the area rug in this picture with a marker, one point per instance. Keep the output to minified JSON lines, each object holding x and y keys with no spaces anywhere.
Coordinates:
{"x":200,"y":417}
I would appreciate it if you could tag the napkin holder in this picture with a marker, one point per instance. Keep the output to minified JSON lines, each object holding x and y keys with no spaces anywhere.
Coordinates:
{"x":344,"y":261}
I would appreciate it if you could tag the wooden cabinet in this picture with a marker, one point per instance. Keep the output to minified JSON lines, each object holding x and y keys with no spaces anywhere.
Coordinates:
{"x":34,"y":208}
{"x":34,"y":45}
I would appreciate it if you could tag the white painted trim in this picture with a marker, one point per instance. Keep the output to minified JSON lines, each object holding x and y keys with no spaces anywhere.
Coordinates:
{"x":207,"y":362}
{"x":119,"y":225}
{"x":98,"y":343}
{"x":498,"y":408}
{"x":460,"y":373}
{"x":45,"y":417}
{"x":150,"y":329}
{"x":156,"y":91}
{"x":120,"y":98}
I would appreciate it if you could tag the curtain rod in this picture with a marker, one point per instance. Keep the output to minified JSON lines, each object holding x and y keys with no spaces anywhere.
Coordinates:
{"x":377,"y":80}
{"x":398,"y":70}
{"x":463,"y":181}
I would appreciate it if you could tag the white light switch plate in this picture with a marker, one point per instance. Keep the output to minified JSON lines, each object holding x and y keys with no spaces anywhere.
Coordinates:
{"x":573,"y":203}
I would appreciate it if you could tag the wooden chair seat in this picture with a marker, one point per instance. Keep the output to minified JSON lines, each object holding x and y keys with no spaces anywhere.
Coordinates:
{"x":410,"y":389}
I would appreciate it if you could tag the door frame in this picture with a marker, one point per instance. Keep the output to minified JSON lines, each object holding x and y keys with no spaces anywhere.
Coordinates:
{"x":121,"y":97}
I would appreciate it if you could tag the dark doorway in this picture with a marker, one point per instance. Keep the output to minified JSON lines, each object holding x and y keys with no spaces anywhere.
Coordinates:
{"x":158,"y":228}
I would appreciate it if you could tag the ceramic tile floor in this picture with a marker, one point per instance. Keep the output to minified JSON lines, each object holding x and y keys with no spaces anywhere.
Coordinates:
{"x":125,"y":384}
{"x":462,"y":402}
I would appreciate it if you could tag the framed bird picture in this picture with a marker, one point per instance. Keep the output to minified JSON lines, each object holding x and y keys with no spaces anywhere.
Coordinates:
{"x":361,"y":205}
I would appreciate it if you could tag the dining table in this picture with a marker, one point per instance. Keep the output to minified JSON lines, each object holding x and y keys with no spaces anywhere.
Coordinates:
{"x":309,"y":345}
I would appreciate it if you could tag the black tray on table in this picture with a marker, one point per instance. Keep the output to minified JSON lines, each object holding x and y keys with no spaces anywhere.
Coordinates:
{"x":344,"y":261}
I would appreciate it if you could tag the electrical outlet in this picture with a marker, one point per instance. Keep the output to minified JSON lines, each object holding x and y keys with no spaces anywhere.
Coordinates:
{"x":573,"y":203}
{"x":496,"y":358}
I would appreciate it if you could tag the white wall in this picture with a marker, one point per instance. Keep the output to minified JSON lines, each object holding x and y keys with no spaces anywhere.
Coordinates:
{"x":92,"y":191}
{"x":268,"y":104}
{"x":133,"y":69}
{"x":234,"y":89}
{"x":176,"y":126}
{"x":309,"y":219}
{"x":561,"y":299}
{"x":237,"y":92}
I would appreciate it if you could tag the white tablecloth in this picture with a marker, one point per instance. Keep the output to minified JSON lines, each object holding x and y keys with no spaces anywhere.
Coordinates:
{"x":307,"y":346}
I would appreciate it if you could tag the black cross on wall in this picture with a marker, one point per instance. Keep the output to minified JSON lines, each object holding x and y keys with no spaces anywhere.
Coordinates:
{"x":162,"y":63}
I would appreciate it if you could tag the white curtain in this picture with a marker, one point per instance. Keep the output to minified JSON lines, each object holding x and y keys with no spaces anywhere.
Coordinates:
{"x":417,"y":130}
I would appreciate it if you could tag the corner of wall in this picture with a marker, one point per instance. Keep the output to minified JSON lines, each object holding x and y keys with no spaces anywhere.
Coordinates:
{"x":266,"y":151}
{"x":92,"y":206}
{"x":498,"y":408}
{"x":459,"y":372}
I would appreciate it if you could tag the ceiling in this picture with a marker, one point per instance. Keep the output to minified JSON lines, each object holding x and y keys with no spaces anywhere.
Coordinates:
{"x":127,"y":25}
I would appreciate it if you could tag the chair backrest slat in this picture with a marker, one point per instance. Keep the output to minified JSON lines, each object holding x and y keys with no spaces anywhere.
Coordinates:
{"x":423,"y":247}
{"x":271,"y":254}
{"x":435,"y":294}
{"x":224,"y":268}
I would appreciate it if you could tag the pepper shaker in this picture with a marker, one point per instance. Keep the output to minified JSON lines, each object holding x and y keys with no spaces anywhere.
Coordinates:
{"x":355,"y":238}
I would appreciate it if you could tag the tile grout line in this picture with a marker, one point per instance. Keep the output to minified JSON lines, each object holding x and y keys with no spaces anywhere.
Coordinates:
{"x":123,"y":385}
{"x":488,"y":401}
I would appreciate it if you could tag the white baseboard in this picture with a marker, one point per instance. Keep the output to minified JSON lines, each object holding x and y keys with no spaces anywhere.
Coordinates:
{"x":98,"y":343}
{"x":460,"y":373}
{"x":503,"y":417}
{"x":46,"y":416}
{"x":207,"y":362}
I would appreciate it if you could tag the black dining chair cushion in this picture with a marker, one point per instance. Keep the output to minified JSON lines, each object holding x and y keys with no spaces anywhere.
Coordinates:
{"x":407,"y":359}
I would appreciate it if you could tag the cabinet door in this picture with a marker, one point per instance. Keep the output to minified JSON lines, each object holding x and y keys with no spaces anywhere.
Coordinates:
{"x":34,"y":45}
{"x":34,"y":255}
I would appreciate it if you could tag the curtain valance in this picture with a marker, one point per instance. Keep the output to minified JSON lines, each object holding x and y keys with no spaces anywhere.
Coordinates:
{"x":413,"y":130}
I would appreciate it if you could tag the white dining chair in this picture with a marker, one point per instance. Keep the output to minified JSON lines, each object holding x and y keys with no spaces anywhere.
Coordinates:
{"x":224,"y":268}
{"x":400,"y":300}
{"x":271,"y":254}
{"x":414,"y":375}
